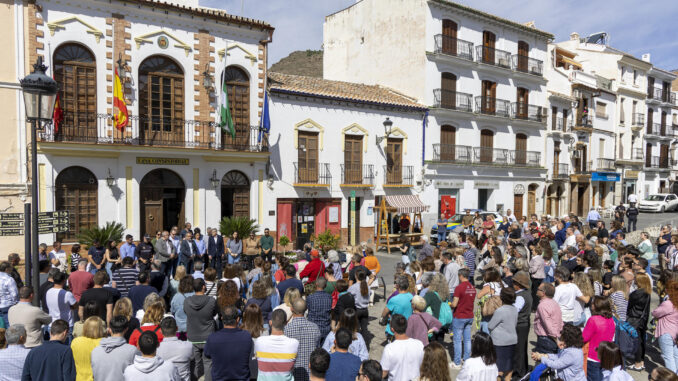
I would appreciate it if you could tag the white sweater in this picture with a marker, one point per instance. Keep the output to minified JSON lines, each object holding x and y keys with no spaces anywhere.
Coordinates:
{"x":474,"y":369}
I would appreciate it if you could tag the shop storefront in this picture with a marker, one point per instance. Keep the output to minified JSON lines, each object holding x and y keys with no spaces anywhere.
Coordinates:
{"x":603,"y":188}
{"x":301,"y":219}
{"x":629,"y":184}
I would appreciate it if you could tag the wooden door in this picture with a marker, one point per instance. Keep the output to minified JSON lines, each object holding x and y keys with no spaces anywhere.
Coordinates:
{"x":448,"y":137}
{"x":353,"y":158}
{"x":152,"y":210}
{"x":565,"y":112}
{"x":488,"y":47}
{"x":394,"y":160}
{"x":486,"y":146}
{"x":521,"y":149}
{"x":522,"y":100}
{"x":488,"y":103}
{"x":554,"y":118}
{"x":664,"y":155}
{"x":308,"y":157}
{"x":523,"y":52}
{"x":518,"y":205}
{"x":556,"y":158}
{"x":650,"y":117}
{"x":531,"y":200}
{"x":449,"y":37}
{"x":650,"y":87}
{"x":448,"y":96}
{"x":663,"y":123}
{"x":648,"y":155}
{"x":163,"y":105}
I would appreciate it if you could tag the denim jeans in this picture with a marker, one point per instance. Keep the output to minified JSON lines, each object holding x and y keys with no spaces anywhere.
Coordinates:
{"x":442,"y":236}
{"x":669,"y":352}
{"x":233,"y":260}
{"x":484,"y":327}
{"x":593,"y":372}
{"x":3,"y":316}
{"x":461,"y":327}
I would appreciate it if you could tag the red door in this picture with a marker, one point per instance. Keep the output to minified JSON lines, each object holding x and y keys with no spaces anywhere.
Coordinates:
{"x":328,"y":217}
{"x":284,"y":226}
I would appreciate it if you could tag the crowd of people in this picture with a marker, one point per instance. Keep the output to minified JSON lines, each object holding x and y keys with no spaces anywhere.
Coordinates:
{"x":182,"y":307}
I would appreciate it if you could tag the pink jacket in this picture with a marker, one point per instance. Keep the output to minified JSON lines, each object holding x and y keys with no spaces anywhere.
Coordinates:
{"x":667,"y":319}
{"x":597,"y":329}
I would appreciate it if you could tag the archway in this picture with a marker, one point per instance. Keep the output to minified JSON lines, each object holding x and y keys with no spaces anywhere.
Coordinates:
{"x":238,"y":90}
{"x":235,"y":195}
{"x":161,"y":101}
{"x":162,"y":194}
{"x":531,"y":199}
{"x":76,"y":191}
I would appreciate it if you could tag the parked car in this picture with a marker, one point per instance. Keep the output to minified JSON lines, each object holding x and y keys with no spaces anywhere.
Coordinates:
{"x":660,"y":202}
{"x":455,"y":221}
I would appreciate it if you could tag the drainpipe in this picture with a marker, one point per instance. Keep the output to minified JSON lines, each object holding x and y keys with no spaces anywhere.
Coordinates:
{"x":423,"y":140}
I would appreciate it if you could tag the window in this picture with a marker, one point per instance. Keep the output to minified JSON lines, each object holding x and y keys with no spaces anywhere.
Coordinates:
{"x":488,"y":103}
{"x":448,"y":84}
{"x":601,"y":148}
{"x":161,"y":101}
{"x":238,"y":90}
{"x":308,"y":156}
{"x":486,"y":146}
{"x":489,"y":39}
{"x":76,"y":192}
{"x":448,"y":139}
{"x":521,"y":149}
{"x":621,"y":110}
{"x":75,"y":72}
{"x":650,"y":121}
{"x":623,"y":74}
{"x":635,"y":77}
{"x":650,"y":87}
{"x":554,"y":118}
{"x":449,"y":37}
{"x":601,"y":110}
{"x":353,"y":159}
{"x":523,"y":52}
{"x":394,"y":161}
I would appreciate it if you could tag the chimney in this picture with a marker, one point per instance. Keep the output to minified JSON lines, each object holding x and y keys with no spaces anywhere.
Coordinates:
{"x":646,"y":57}
{"x":574,"y":36}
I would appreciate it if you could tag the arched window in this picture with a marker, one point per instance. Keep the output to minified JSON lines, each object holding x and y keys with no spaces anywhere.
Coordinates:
{"x":161,"y":101}
{"x":75,"y":72}
{"x":76,"y":192}
{"x":448,"y":85}
{"x":238,"y":90}
{"x":235,"y":195}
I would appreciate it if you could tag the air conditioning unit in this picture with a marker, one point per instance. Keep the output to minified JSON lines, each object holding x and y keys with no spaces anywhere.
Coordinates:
{"x":576,"y":154}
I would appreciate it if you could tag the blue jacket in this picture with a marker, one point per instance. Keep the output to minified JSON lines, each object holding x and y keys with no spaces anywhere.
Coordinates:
{"x":215,"y":249}
{"x":561,"y":236}
{"x":52,"y":361}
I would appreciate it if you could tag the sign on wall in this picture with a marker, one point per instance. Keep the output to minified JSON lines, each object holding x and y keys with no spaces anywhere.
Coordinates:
{"x":162,"y":161}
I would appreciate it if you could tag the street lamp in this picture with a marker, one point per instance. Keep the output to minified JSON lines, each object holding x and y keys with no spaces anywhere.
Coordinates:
{"x":214,"y":180}
{"x":39,"y":92}
{"x":207,"y":81}
{"x":110,"y":180}
{"x":388,"y":124}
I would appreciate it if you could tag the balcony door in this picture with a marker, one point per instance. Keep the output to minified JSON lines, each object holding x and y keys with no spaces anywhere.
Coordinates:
{"x":522,"y":99}
{"x":650,"y":87}
{"x":523,"y":52}
{"x":394,"y":161}
{"x":663,"y":122}
{"x":161,"y":102}
{"x":486,"y":146}
{"x":488,"y":102}
{"x":448,"y":139}
{"x":664,"y":156}
{"x":489,"y":40}
{"x":76,"y":191}
{"x":238,"y":90}
{"x":650,"y":120}
{"x":75,"y":72}
{"x":353,"y":159}
{"x":448,"y":85}
{"x":648,"y":155}
{"x":308,"y":156}
{"x":556,"y":159}
{"x":521,"y":149}
{"x":449,"y":37}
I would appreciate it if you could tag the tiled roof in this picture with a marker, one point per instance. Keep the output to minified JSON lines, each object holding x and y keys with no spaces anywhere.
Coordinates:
{"x":346,"y":91}
{"x":217,"y":14}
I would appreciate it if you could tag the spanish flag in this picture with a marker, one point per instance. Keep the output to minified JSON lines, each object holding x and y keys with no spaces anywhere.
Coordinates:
{"x":120,"y":116}
{"x":58,"y":116}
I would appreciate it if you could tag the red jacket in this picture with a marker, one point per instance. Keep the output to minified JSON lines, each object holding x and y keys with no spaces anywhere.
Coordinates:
{"x":313,"y":270}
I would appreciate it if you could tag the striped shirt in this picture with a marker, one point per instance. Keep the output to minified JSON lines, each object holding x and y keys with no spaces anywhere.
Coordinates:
{"x":124,"y":279}
{"x":13,"y":358}
{"x":275,"y":357}
{"x":620,"y":304}
{"x":470,"y":260}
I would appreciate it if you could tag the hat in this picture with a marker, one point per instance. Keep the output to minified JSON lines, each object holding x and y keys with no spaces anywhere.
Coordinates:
{"x":522,"y":279}
{"x":147,"y":236}
{"x":314,"y":253}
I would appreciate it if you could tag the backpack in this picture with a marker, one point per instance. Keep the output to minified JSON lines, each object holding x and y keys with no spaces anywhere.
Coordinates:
{"x":626,"y":337}
{"x":445,"y":315}
{"x":411,"y":255}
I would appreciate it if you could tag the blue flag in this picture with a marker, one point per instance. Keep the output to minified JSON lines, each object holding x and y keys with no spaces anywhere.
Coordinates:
{"x":265,"y":126}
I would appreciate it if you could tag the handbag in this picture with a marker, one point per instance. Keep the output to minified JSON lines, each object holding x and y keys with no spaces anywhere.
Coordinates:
{"x":490,"y":305}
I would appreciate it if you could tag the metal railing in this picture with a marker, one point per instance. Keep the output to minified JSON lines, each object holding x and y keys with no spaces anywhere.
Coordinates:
{"x":491,"y":155}
{"x":147,"y":131}
{"x":452,"y":100}
{"x":562,"y":125}
{"x":605,"y":164}
{"x":453,"y":47}
{"x":637,"y":119}
{"x":584,"y":121}
{"x":652,"y":162}
{"x":312,"y":175}
{"x":525,"y":158}
{"x":526,"y":111}
{"x":654,"y":93}
{"x":637,"y":154}
{"x":357,"y":174}
{"x":561,"y":171}
{"x":492,"y":56}
{"x":653,"y":129}
{"x":527,"y":64}
{"x":450,"y":153}
{"x":582,"y":166}
{"x":492,"y":106}
{"x":398,"y":175}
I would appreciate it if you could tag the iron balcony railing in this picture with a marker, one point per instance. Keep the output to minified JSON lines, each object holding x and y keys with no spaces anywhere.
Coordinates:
{"x":491,"y":155}
{"x":527,"y":64}
{"x":453,"y":47}
{"x":653,"y":129}
{"x":581,"y":166}
{"x":637,"y":119}
{"x":525,"y":158}
{"x":526,"y":111}
{"x":605,"y":164}
{"x":493,"y":106}
{"x":560,"y":124}
{"x":584,"y":121}
{"x":561,"y":171}
{"x":146,"y":131}
{"x":492,"y":56}
{"x":655,"y":93}
{"x":352,"y":174}
{"x":452,"y":100}
{"x":312,"y":173}
{"x":637,"y":154}
{"x":656,"y":162}
{"x":450,"y":153}
{"x":398,"y":175}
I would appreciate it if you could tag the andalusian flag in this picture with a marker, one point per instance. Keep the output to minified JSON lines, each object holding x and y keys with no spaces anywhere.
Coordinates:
{"x":58,"y":116}
{"x":225,"y":111}
{"x":120,"y":116}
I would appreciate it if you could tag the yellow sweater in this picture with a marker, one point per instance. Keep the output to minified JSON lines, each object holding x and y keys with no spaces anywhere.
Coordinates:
{"x":82,"y":348}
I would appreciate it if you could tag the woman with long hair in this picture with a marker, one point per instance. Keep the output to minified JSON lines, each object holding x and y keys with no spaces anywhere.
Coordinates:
{"x":93,"y":330}
{"x":349,"y":320}
{"x":344,"y":300}
{"x":178,"y":276}
{"x":228,"y":295}
{"x":361,"y":295}
{"x":619,"y":294}
{"x":568,"y":361}
{"x":177,"y":304}
{"x":151,"y":322}
{"x":113,"y":258}
{"x":233,"y":273}
{"x":291,"y":295}
{"x":600,"y":327}
{"x":434,"y":365}
{"x":482,"y":365}
{"x":611,"y":362}
{"x":75,"y":257}
{"x":210,"y":277}
{"x":123,"y":307}
{"x":253,"y":321}
{"x":234,"y":248}
{"x":583,"y":282}
{"x":492,"y":286}
{"x":596,"y":276}
{"x":261,"y":296}
{"x":90,"y":309}
{"x":667,"y":325}
{"x":638,"y":313}
{"x":281,"y":262}
{"x":502,"y":328}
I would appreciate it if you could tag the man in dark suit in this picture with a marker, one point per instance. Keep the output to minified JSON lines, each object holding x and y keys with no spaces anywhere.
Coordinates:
{"x":215,"y":250}
{"x":165,"y":252}
{"x":188,"y":250}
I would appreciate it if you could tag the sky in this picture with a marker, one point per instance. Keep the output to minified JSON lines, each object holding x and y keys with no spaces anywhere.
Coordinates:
{"x":633,"y":26}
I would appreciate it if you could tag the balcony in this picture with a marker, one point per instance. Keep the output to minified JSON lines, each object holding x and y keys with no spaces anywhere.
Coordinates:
{"x":359,"y":176}
{"x":654,"y":93}
{"x":455,"y":47}
{"x":637,"y":119}
{"x":605,"y":164}
{"x":159,"y":132}
{"x":528,"y":65}
{"x":452,"y":100}
{"x":493,"y":106}
{"x":582,"y":167}
{"x":398,"y":176}
{"x":525,"y":158}
{"x":657,"y":162}
{"x":584,"y":121}
{"x":455,"y":154}
{"x":653,"y":129}
{"x":561,"y":171}
{"x":492,"y":56}
{"x":562,"y":125}
{"x":633,"y":158}
{"x":312,"y":176}
{"x":450,"y":153}
{"x":526,"y":111}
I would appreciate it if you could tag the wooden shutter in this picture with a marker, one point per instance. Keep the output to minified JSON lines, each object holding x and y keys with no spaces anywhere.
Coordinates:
{"x":448,"y":85}
{"x":162,"y":102}
{"x":353,"y":157}
{"x":488,"y":47}
{"x":650,"y":87}
{"x":650,"y":117}
{"x":394,"y":161}
{"x":521,"y":149}
{"x":76,"y":191}
{"x":239,"y":103}
{"x":554,"y":117}
{"x":663,"y":123}
{"x":523,"y":52}
{"x":522,"y":100}
{"x":78,"y":100}
{"x":486,"y":146}
{"x":308,"y":156}
{"x":449,"y":37}
{"x":664,"y":155}
{"x":488,"y":101}
{"x":648,"y":155}
{"x":448,"y":137}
